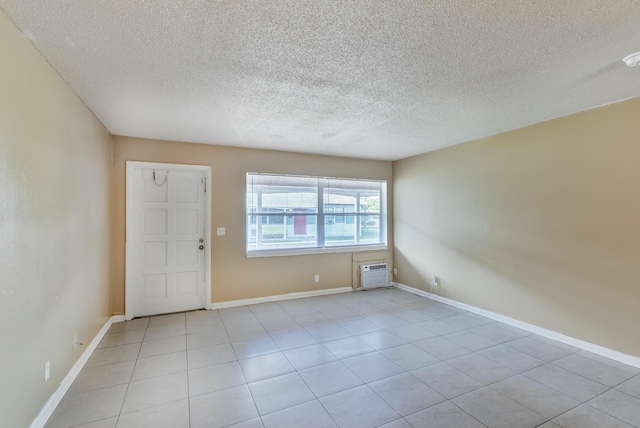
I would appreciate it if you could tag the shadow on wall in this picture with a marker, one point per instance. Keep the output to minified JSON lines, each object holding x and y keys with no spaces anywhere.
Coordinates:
{"x":493,"y":275}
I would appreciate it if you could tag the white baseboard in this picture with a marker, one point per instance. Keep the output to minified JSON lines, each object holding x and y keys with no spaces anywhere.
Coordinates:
{"x":587,"y":346}
{"x":66,"y":383}
{"x":278,"y":297}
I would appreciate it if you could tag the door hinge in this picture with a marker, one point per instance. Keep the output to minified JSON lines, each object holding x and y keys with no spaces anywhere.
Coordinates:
{"x":204,"y":180}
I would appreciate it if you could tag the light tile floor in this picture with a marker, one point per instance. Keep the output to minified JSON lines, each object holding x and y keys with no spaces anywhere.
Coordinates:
{"x":381,"y":358}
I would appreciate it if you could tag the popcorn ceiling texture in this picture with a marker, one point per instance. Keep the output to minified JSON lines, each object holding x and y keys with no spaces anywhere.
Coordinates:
{"x":361,"y":78}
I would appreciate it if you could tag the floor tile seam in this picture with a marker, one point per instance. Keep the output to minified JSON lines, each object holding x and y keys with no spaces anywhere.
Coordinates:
{"x":443,"y":359}
{"x":565,"y":412}
{"x":69,"y":393}
{"x":633,"y":371}
{"x":492,"y":360}
{"x":264,"y":323}
{"x":166,"y":337}
{"x":444,"y":399}
{"x":509,"y":398}
{"x":552,"y":342}
{"x":230,"y":325}
{"x":149,"y":407}
{"x":530,"y":354}
{"x":625,"y":381}
{"x":108,"y":364}
{"x":482,"y":382}
{"x":124,"y":397}
{"x":586,"y":403}
{"x":186,"y":371}
{"x":580,"y":403}
{"x":119,"y":344}
{"x":73,"y":394}
{"x":542,"y":362}
{"x":368,"y":384}
{"x":473,"y":351}
{"x":382,"y":378}
{"x":352,"y":388}
{"x":593,"y":380}
{"x":202,"y":326}
{"x":168,"y":325}
{"x":502,"y":341}
{"x":583,"y":376}
{"x":125,"y":330}
{"x":327,"y":410}
{"x":349,"y":356}
{"x":245,"y":383}
{"x":557,"y":390}
{"x":211,"y":365}
{"x":450,"y":401}
{"x":305,"y":368}
{"x":297,"y":346}
{"x":335,"y":392}
{"x":455,"y":396}
{"x":263,"y":311}
{"x":271,"y":336}
{"x":260,"y":415}
{"x":186,"y":352}
{"x":546,"y":362}
{"x":603,"y":411}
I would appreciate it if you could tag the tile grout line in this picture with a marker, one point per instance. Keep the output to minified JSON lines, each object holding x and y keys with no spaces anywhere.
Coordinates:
{"x":361,"y":316}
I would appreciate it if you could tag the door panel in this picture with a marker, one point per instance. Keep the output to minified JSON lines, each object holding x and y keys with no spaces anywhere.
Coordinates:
{"x":155,"y":253}
{"x":168,"y":231}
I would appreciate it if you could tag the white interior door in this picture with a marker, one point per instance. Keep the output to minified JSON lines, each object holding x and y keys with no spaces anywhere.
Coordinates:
{"x":167,"y":263}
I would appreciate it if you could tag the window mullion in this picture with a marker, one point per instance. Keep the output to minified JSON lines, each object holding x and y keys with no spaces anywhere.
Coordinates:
{"x":320,"y":220}
{"x":259,"y":220}
{"x":358,"y":219}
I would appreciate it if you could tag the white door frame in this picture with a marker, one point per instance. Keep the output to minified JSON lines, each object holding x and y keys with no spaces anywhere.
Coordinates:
{"x":130,"y":280}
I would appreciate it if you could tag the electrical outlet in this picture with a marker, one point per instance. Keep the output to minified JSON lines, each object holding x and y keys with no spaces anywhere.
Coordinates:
{"x":395,"y":271}
{"x":317,"y":278}
{"x":47,"y":370}
{"x":75,"y":342}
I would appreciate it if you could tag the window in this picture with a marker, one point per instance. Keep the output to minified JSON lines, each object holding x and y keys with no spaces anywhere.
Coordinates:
{"x":314,"y":213}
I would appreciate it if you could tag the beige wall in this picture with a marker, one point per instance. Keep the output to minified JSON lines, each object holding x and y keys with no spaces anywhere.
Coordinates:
{"x":234,"y":276}
{"x":541,"y":224}
{"x":54,"y":224}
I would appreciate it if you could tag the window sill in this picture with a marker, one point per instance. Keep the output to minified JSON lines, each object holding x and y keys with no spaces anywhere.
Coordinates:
{"x":308,"y":251}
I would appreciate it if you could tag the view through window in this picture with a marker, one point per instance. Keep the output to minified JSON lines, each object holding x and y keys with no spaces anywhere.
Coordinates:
{"x":293,"y":212}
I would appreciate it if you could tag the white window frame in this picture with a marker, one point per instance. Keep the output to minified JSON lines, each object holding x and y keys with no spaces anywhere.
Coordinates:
{"x":320,"y":246}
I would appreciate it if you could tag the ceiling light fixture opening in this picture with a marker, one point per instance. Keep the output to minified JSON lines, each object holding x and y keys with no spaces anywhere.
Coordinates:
{"x":632,"y":60}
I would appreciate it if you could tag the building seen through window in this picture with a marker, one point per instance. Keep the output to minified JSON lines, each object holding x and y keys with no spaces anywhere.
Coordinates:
{"x":292,"y":212}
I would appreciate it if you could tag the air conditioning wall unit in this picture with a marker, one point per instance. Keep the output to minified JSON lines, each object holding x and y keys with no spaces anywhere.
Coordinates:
{"x":374,"y":275}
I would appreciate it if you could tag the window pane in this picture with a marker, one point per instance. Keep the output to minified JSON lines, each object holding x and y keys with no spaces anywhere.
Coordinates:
{"x":283,"y":212}
{"x":290,"y":231}
{"x":352,"y":195}
{"x":338,"y":234}
{"x":349,"y":233}
{"x":268,"y":194}
{"x":370,"y":203}
{"x":369,"y":229}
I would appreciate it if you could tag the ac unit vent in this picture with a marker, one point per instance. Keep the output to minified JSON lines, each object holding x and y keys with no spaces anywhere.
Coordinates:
{"x":374,"y":275}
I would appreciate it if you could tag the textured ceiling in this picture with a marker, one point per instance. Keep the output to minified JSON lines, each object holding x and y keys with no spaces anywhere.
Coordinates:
{"x":361,"y":78}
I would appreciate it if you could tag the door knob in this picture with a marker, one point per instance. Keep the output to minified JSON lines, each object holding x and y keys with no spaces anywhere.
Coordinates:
{"x":201,"y":247}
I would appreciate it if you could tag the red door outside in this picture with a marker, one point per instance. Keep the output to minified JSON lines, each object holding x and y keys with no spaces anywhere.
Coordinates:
{"x":299,"y":223}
